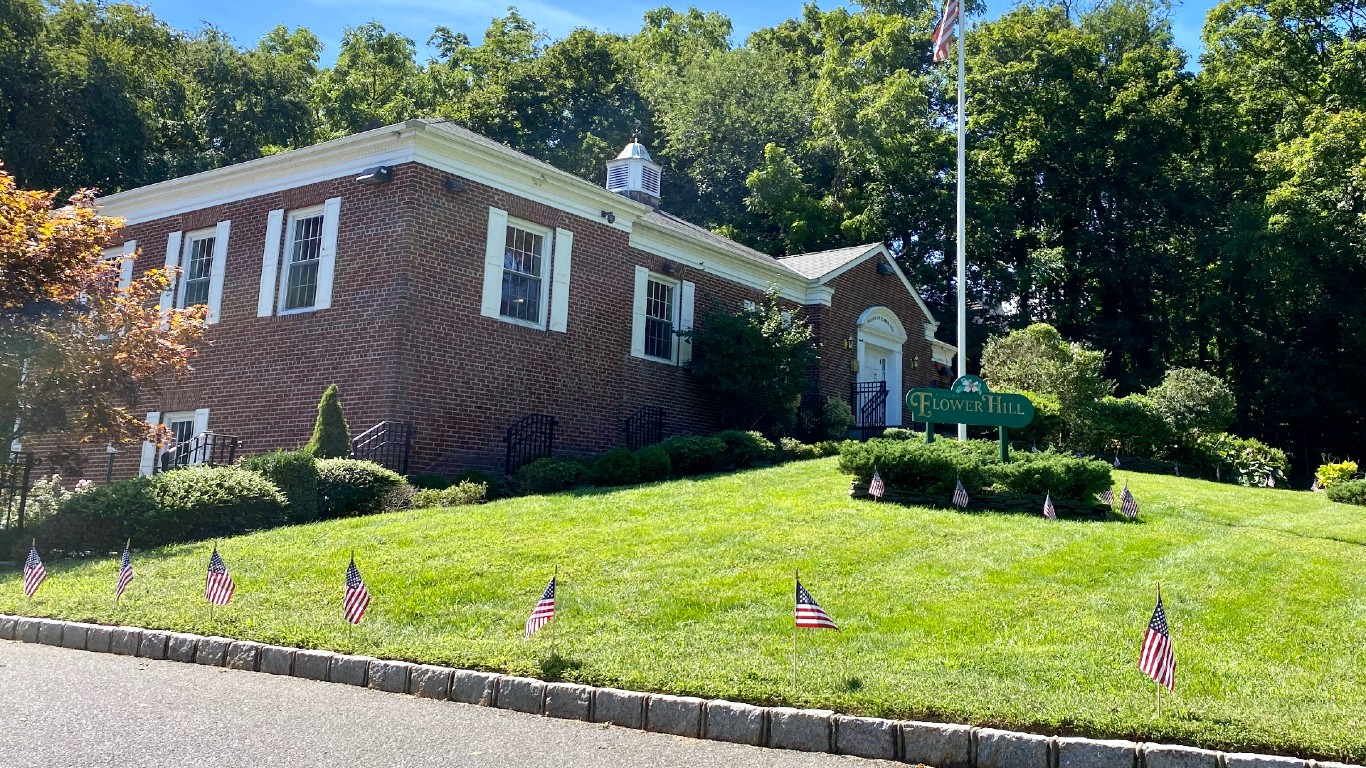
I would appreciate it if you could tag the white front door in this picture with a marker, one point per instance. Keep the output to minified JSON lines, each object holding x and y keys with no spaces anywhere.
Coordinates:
{"x":882,"y":364}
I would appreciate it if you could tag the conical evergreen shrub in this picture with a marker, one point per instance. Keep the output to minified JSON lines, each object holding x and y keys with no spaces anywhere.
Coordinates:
{"x":331,"y":437}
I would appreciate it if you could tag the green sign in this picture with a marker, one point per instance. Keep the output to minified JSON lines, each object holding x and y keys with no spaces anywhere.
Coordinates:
{"x":969,"y":402}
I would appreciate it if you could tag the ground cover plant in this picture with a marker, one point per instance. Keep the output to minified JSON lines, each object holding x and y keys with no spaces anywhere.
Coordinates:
{"x":685,"y":587}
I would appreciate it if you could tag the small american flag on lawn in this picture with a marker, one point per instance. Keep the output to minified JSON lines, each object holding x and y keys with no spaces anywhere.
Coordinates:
{"x":34,"y":573}
{"x":1157,"y":659}
{"x":1108,"y":496}
{"x":1128,"y":503}
{"x":809,"y":614}
{"x":356,"y":598}
{"x":218,"y":586}
{"x":1048,"y":510}
{"x":125,"y":574}
{"x":960,"y":494}
{"x":876,"y":487}
{"x":544,"y":610}
{"x":1116,"y":461}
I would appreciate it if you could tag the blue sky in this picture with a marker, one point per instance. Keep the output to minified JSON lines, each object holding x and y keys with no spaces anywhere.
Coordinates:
{"x":247,"y":20}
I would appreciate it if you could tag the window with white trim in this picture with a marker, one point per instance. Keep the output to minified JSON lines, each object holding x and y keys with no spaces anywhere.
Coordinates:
{"x":661,"y":316}
{"x":181,"y":427}
{"x":525,"y":258}
{"x":196,"y":268}
{"x":662,"y":308}
{"x":303,"y":259}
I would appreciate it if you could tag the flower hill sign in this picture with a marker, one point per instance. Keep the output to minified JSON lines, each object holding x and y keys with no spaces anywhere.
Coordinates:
{"x":970,"y":401}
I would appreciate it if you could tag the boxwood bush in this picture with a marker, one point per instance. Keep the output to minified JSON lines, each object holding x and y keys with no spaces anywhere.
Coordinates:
{"x":695,"y":454}
{"x":619,"y":466}
{"x":1348,"y":492}
{"x":653,"y":463}
{"x":456,"y":495}
{"x":549,"y":474}
{"x":745,"y":449}
{"x":350,"y":487}
{"x":295,"y":473}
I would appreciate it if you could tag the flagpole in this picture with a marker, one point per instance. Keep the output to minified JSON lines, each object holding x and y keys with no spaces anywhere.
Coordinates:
{"x":962,"y":212}
{"x":797,"y":580}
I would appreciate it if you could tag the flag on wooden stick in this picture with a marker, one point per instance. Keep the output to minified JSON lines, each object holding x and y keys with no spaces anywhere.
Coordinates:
{"x":355,"y":598}
{"x":960,"y":494}
{"x":876,"y":488}
{"x":1048,"y":510}
{"x":125,"y":574}
{"x":218,"y":585}
{"x":544,"y":610}
{"x":809,"y":614}
{"x":1157,"y":659}
{"x":943,"y":31}
{"x":34,"y":572}
{"x":1108,"y":496}
{"x":1128,"y":503}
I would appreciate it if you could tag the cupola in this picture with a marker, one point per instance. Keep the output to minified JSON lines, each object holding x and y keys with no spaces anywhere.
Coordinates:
{"x":633,"y":174}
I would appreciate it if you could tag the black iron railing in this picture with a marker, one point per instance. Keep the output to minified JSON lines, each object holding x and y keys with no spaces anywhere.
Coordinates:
{"x":868,"y":400}
{"x":532,"y":437}
{"x":644,"y":427}
{"x":207,"y":448}
{"x":388,"y":444}
{"x":16,"y":475}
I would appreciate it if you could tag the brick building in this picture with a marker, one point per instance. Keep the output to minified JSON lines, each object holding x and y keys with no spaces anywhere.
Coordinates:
{"x":446,"y":281}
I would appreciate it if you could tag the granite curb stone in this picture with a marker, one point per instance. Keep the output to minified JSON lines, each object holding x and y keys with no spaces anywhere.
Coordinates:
{"x":1008,"y":749}
{"x":153,"y":645}
{"x":312,"y":665}
{"x":98,"y":638}
{"x":676,"y":715}
{"x":349,"y":670}
{"x":806,"y":730}
{"x":568,"y":701}
{"x":390,"y":676}
{"x":7,"y":624}
{"x":26,"y":630}
{"x":470,"y":687}
{"x":1076,"y":752}
{"x":429,"y":681}
{"x":1248,"y":760}
{"x":735,"y":722}
{"x":212,"y":651}
{"x":243,"y":655}
{"x":181,"y":647}
{"x":621,"y":708}
{"x":521,"y":694}
{"x":943,"y":745}
{"x":870,"y":737}
{"x":74,"y":635}
{"x":125,"y":641}
{"x":1175,"y":756}
{"x":49,"y":632}
{"x":277,"y":660}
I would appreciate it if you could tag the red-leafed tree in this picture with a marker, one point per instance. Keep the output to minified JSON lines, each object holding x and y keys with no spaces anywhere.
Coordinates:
{"x":77,"y":350}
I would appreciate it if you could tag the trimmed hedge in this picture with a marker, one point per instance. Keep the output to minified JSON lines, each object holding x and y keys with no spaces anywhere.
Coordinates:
{"x":549,"y":474}
{"x":350,"y":487}
{"x":935,"y":467}
{"x":653,"y":463}
{"x":295,"y":473}
{"x":619,"y":466}
{"x":456,"y":495}
{"x":695,"y":454}
{"x":745,"y":449}
{"x":1348,"y":492}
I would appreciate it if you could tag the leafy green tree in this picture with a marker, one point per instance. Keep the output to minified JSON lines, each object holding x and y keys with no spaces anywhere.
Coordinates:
{"x":1037,"y":359}
{"x":331,"y":437}
{"x":376,"y":81}
{"x":1192,"y":400}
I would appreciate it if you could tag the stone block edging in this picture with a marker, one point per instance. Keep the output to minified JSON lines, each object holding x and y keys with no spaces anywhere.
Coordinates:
{"x":940,"y":745}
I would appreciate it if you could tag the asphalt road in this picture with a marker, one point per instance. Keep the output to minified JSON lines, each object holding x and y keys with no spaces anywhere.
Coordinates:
{"x":61,"y":707}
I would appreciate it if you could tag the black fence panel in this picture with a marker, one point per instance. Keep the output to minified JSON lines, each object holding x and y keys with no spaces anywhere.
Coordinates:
{"x":645,"y":427}
{"x":868,"y":400}
{"x":207,"y":448}
{"x":388,"y":444}
{"x":16,"y":477}
{"x":531,"y":438}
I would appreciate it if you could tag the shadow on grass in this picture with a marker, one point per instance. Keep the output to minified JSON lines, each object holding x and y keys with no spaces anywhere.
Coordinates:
{"x":554,"y":666}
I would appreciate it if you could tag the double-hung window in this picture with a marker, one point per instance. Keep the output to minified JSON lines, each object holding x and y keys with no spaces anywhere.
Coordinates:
{"x":663,"y":309}
{"x":196,"y":269}
{"x":201,"y":258}
{"x":526,"y":273}
{"x":303,"y":257}
{"x":524,"y":280}
{"x":660,"y":317}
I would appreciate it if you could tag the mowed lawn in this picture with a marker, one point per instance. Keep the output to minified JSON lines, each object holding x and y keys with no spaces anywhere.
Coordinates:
{"x":686,"y":587}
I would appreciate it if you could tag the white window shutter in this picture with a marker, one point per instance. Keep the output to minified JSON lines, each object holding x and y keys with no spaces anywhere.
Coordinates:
{"x":201,"y":421}
{"x":685,"y":317}
{"x":270,"y":263}
{"x":327,"y":253}
{"x":217,"y":269}
{"x":559,"y":289}
{"x":149,"y":450}
{"x":172,"y":261}
{"x":494,"y":254}
{"x":130,"y":249}
{"x":638,"y":312}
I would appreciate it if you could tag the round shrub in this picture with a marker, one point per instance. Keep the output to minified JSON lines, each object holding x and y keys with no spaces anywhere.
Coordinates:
{"x":830,"y":447}
{"x":295,"y":473}
{"x":547,"y":475}
{"x":456,"y":495}
{"x":1128,"y":426}
{"x":1190,"y":399}
{"x":99,"y":520}
{"x":618,"y":466}
{"x":1045,"y":430}
{"x":653,"y":463}
{"x":745,"y":449}
{"x":202,"y":502}
{"x":837,"y":418}
{"x":793,"y":449}
{"x":1243,"y":460}
{"x":350,"y":487}
{"x":897,"y":433}
{"x":694,"y":454}
{"x":1348,"y":492}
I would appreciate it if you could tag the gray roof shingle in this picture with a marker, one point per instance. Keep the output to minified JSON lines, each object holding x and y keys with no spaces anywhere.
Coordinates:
{"x":821,"y":263}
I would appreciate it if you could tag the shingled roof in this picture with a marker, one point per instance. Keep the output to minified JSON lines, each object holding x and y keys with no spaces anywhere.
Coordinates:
{"x":816,"y":265}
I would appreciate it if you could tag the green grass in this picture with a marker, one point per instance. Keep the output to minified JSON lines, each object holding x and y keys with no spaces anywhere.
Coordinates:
{"x":686,"y":587}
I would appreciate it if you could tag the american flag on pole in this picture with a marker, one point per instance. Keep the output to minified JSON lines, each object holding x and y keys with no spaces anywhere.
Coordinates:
{"x":356,"y":598}
{"x":34,"y":573}
{"x":125,"y":574}
{"x":218,"y":586}
{"x":1116,"y":461}
{"x":1157,"y":659}
{"x":960,"y":494}
{"x":809,"y":614}
{"x":876,"y":487}
{"x":943,"y":31}
{"x":544,"y":610}
{"x":1128,"y":503}
{"x":1048,"y":510}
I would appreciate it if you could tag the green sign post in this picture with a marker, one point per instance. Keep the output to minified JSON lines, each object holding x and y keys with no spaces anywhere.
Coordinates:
{"x":969,"y":401}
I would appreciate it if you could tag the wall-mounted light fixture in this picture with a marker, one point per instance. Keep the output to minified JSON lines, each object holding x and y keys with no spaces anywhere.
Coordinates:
{"x":915,"y":361}
{"x":848,"y":342}
{"x":611,"y":217}
{"x":452,"y":184}
{"x":853,"y":365}
{"x":380,"y":174}
{"x":667,"y":267}
{"x":883,"y":268}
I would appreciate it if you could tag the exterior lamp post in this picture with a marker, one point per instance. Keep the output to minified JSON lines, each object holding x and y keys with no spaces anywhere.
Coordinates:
{"x":109,"y":471}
